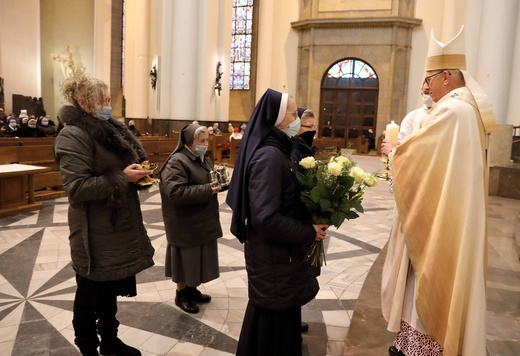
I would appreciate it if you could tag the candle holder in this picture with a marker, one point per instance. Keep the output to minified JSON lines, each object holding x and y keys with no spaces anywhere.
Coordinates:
{"x":384,"y":175}
{"x":391,"y":135}
{"x":384,"y":158}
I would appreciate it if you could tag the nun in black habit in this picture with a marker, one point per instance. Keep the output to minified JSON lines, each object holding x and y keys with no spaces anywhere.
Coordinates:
{"x":271,"y":221}
{"x":191,"y":217}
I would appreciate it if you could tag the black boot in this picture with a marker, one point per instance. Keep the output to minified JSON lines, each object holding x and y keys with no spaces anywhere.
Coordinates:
{"x":305,"y":327}
{"x":182,"y":300}
{"x":196,"y":296}
{"x":393,"y":351}
{"x":107,"y":327}
{"x":87,"y":346}
{"x":116,"y":347}
{"x":84,"y":323}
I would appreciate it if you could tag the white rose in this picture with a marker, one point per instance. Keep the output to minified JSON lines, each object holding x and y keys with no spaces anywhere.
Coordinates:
{"x":358,"y":174}
{"x":370,"y":180}
{"x":334,"y":168}
{"x":342,"y":160}
{"x":308,"y":162}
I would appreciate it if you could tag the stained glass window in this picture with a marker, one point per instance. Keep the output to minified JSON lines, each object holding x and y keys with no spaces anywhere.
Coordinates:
{"x":241,"y":38}
{"x":351,"y":73}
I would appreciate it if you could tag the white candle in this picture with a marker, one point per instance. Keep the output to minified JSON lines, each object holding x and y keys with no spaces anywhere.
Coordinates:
{"x":392,"y":130}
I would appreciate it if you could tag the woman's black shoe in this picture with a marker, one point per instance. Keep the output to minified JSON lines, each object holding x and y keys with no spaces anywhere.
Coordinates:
{"x":305,"y":327}
{"x":196,"y":296}
{"x":183,"y":301}
{"x":393,"y":351}
{"x":117,"y":347}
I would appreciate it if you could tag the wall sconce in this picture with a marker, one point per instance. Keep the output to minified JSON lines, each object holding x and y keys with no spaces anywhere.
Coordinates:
{"x":218,"y":76}
{"x":153,"y":77}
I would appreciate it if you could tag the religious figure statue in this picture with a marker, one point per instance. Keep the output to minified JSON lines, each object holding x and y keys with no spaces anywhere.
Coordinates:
{"x":218,"y":76}
{"x":66,"y":61}
{"x":153,"y":77}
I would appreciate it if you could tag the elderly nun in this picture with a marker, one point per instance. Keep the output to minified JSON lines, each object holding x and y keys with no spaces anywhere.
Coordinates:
{"x":191,"y":217}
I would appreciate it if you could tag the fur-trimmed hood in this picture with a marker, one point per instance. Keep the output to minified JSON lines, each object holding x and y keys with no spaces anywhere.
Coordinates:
{"x":111,"y":134}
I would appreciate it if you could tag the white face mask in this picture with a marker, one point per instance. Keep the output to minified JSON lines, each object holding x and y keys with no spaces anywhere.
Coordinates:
{"x":293,"y":128}
{"x":427,"y":100}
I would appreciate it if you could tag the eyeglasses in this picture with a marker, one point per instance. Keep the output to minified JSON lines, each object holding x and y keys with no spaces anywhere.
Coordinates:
{"x":293,"y":113}
{"x":427,"y":80}
{"x":314,"y":127}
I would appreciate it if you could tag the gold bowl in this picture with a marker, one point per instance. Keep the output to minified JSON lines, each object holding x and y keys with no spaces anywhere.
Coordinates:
{"x":150,"y":166}
{"x":145,"y":181}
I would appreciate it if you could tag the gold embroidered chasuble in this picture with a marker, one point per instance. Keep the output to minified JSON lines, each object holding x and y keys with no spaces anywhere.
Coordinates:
{"x":440,"y":185}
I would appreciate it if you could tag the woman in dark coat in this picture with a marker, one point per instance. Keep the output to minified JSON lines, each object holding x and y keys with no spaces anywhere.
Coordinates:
{"x":191,"y":217}
{"x":98,"y":158}
{"x":271,"y":221}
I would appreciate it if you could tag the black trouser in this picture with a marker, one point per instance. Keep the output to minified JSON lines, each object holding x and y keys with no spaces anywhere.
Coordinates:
{"x":95,"y":308}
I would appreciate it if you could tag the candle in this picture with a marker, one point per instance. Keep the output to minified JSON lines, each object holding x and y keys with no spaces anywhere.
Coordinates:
{"x":392,"y":130}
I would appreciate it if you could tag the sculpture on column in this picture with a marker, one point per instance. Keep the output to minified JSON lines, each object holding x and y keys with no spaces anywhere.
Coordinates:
{"x":218,"y":76}
{"x":153,"y":77}
{"x":66,"y":61}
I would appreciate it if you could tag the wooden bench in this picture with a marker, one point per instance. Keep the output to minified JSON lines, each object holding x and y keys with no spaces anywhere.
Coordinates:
{"x":40,"y":152}
{"x":17,"y":188}
{"x":218,"y":148}
{"x":159,"y":149}
{"x":362,"y":144}
{"x":233,"y":151}
{"x":327,"y":146}
{"x":25,"y":141}
{"x":46,"y":185}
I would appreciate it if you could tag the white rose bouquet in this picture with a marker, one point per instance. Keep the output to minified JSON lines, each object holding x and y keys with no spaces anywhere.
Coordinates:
{"x":332,"y":192}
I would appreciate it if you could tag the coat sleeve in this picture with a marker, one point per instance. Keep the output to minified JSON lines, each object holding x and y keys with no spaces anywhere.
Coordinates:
{"x":75,"y":153}
{"x":265,"y":196}
{"x":179,"y":185}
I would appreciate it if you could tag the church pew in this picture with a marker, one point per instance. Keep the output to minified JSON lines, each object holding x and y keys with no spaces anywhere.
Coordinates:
{"x":8,"y":155}
{"x":159,"y":149}
{"x":218,"y":147}
{"x":328,"y":145}
{"x":233,"y":150}
{"x":25,"y":141}
{"x":40,"y":152}
{"x":47,"y":185}
{"x":362,"y":144}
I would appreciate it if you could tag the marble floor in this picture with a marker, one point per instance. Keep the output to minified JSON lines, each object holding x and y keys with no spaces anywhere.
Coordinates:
{"x":37,"y":284}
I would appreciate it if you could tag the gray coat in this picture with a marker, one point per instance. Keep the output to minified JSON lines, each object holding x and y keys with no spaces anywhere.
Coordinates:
{"x":107,"y":237}
{"x":189,"y":208}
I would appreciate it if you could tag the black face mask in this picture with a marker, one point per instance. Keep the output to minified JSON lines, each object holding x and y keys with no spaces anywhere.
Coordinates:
{"x":308,"y":137}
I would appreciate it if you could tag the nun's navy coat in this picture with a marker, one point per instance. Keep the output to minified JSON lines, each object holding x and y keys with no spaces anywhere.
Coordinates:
{"x":279,"y":230}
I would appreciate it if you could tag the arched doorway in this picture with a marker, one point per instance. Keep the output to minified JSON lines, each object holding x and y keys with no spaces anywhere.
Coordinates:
{"x":348,"y":100}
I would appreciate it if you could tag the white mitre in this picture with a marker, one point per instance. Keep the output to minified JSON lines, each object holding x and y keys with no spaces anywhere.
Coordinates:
{"x":452,"y":55}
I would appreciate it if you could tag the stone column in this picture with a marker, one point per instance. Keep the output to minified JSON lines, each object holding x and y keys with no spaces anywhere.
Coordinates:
{"x":183,"y":44}
{"x":499,"y":21}
{"x":137,"y":59}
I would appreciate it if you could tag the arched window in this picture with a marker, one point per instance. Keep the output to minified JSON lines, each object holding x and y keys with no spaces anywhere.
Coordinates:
{"x":348,"y":105}
{"x":241,"y":44}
